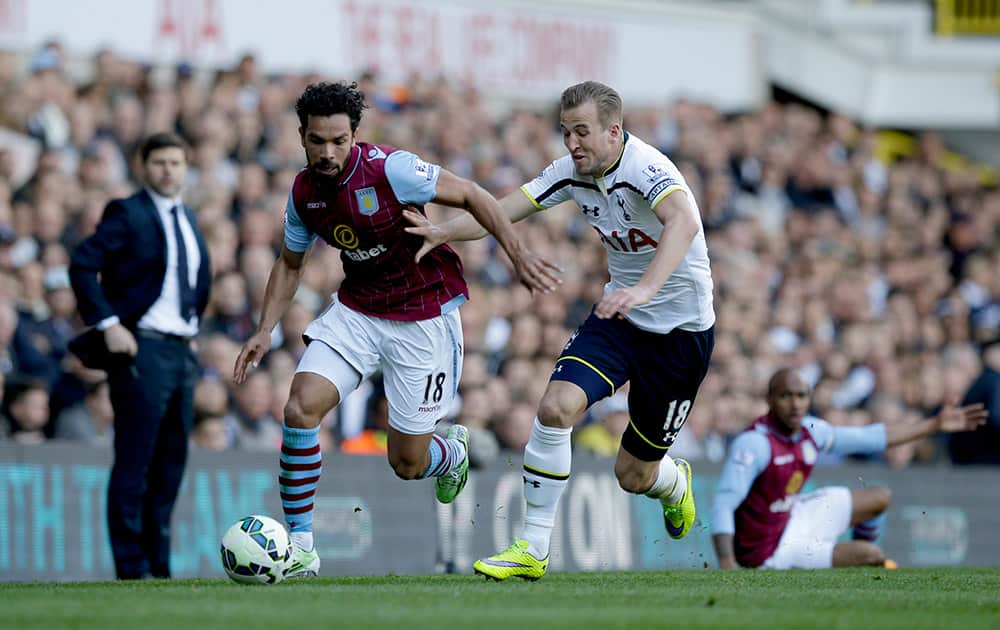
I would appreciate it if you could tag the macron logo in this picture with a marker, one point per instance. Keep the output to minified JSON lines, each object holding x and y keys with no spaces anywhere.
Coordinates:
{"x":316,"y":204}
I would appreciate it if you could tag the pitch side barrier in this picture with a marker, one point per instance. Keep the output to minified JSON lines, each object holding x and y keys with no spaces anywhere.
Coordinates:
{"x":52,"y":505}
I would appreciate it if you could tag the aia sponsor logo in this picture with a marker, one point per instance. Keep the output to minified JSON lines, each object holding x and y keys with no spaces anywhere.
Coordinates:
{"x":633,"y":240}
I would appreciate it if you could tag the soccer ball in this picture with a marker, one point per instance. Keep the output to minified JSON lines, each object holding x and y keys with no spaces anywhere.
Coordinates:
{"x":256,"y":550}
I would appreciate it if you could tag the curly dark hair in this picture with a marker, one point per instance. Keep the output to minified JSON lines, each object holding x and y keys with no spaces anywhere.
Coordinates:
{"x":327,"y":99}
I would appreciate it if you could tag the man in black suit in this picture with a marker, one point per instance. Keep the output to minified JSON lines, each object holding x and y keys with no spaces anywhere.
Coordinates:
{"x":142,"y":281}
{"x":982,"y":446}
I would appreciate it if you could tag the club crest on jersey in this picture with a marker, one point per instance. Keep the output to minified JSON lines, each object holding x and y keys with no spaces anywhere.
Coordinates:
{"x":367,"y":200}
{"x":376,"y":153}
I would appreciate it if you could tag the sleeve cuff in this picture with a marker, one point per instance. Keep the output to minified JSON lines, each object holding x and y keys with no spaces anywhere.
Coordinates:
{"x":107,"y":322}
{"x":531,"y":198}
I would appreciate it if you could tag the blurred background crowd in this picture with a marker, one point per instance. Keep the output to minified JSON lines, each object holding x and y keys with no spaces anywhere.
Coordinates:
{"x":877,"y":275}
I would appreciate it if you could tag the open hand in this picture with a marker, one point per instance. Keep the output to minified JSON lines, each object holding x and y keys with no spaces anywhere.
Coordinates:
{"x":432,"y":233}
{"x":536,"y":273}
{"x":250,"y":355}
{"x":952,"y":418}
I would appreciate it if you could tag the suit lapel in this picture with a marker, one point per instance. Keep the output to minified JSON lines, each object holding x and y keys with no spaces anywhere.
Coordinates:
{"x":204,"y":269}
{"x":154,"y":214}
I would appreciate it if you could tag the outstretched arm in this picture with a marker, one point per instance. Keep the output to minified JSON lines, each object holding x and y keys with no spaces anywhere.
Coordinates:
{"x":281,"y":286}
{"x":465,"y":227}
{"x":680,"y":226}
{"x":535,"y":273}
{"x":875,"y":438}
{"x":951,"y":419}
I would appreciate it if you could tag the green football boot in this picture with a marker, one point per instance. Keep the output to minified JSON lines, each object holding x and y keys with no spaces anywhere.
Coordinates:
{"x":449,"y":485}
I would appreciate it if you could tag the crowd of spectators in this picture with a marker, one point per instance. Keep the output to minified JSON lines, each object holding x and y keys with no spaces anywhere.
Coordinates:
{"x":879,"y":280}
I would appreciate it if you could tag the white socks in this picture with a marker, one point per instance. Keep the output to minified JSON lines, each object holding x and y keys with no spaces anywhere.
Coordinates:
{"x":302,"y":540}
{"x":670,"y":484}
{"x":547,"y":460}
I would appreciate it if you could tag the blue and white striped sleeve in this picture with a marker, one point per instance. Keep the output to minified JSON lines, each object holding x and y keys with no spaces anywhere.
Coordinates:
{"x":298,"y":238}
{"x":412,"y":179}
{"x":748,"y":457}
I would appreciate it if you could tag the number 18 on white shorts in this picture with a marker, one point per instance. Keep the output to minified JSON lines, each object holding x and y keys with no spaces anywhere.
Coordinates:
{"x":420,"y":361}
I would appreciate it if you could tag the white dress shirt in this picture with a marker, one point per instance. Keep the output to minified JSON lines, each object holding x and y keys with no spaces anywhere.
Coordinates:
{"x":165,"y":314}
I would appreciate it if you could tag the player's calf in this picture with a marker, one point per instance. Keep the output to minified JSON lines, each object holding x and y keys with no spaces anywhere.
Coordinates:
{"x":407,"y":470}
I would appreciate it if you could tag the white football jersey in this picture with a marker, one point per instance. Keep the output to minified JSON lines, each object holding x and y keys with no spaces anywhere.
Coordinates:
{"x":619,"y":206}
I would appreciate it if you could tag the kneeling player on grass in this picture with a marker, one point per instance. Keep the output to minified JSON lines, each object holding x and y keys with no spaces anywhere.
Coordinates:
{"x":653,"y":327}
{"x":390,"y":313}
{"x":759,"y":519}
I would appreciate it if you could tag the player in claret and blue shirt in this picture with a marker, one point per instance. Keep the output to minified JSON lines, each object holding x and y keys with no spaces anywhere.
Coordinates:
{"x":760,"y":519}
{"x":392,"y":313}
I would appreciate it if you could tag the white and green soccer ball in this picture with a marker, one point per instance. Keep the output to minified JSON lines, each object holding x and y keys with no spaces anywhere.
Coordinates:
{"x":256,"y":550}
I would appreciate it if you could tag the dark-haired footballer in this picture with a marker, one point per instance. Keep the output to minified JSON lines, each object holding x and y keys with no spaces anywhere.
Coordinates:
{"x":391,"y":313}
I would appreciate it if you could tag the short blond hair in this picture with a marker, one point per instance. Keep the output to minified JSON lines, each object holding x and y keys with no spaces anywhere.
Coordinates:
{"x":605,"y":98}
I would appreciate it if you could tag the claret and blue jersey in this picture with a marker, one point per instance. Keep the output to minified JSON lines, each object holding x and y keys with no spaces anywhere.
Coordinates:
{"x":764,"y":472}
{"x":360,"y":213}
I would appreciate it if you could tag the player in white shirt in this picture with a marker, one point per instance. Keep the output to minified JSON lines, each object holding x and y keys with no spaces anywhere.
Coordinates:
{"x":653,"y":327}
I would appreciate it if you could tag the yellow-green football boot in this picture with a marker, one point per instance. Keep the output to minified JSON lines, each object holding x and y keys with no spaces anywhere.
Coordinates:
{"x":679,"y":518}
{"x":514,"y":561}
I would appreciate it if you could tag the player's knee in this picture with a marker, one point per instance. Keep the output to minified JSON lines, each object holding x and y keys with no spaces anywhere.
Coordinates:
{"x":299,"y":416}
{"x":558,"y":411}
{"x":632,"y":480}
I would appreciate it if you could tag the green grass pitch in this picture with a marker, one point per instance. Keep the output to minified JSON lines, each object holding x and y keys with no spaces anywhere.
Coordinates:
{"x":681,"y":600}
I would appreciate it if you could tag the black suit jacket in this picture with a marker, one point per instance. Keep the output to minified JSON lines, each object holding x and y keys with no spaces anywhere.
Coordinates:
{"x":129,"y":253}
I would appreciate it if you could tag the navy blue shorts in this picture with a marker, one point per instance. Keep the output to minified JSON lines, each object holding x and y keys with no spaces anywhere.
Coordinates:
{"x":665,"y":372}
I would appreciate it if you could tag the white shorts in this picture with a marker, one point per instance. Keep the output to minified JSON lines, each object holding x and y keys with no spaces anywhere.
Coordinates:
{"x":420,"y":361}
{"x":818,"y":519}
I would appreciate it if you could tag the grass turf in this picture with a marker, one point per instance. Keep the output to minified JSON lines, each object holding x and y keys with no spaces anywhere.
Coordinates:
{"x":681,"y":600}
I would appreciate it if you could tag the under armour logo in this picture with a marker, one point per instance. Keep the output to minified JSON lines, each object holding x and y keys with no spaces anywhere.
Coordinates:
{"x":531,"y":482}
{"x":593,"y":211}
